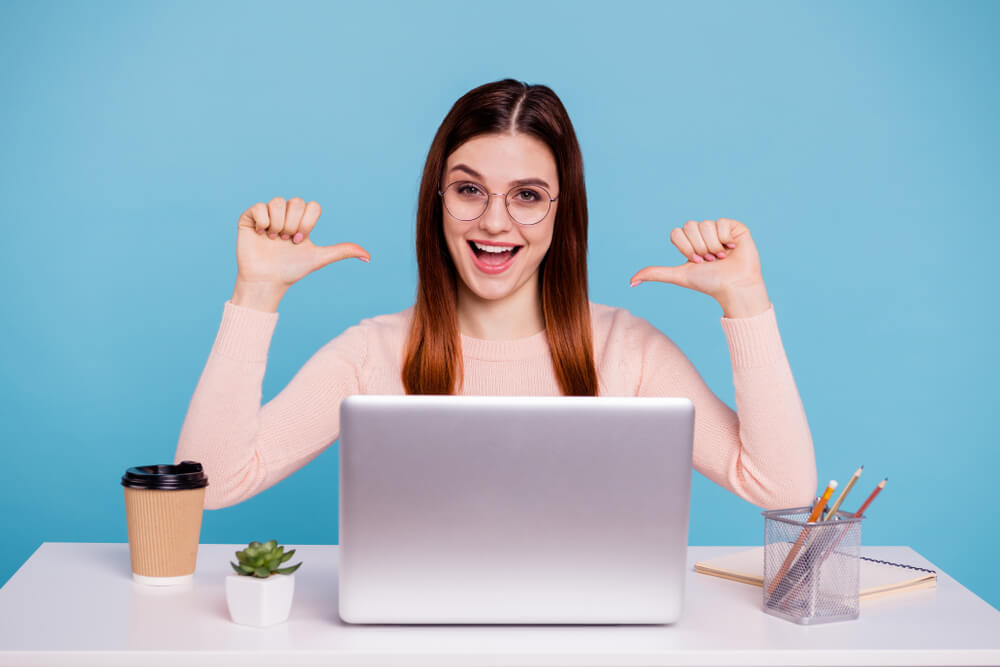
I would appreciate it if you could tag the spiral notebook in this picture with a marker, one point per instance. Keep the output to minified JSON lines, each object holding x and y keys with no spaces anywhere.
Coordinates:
{"x":878,"y":577}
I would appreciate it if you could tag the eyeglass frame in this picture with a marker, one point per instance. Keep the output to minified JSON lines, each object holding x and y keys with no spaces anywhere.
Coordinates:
{"x":496,"y":194}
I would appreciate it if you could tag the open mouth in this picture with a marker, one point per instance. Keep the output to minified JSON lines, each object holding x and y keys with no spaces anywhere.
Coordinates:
{"x":493,"y":257}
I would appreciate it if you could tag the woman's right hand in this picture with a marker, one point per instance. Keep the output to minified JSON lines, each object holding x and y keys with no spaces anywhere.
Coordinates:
{"x":273,"y":245}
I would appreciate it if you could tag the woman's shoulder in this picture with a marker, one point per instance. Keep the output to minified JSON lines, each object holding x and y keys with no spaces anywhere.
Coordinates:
{"x":378,"y":337}
{"x":390,"y":327}
{"x":623,"y":337}
{"x":399,"y":320}
{"x":617,"y":326}
{"x":612,"y":320}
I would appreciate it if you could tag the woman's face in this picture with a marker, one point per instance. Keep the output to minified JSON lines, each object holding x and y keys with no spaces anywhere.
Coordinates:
{"x":497,"y":162}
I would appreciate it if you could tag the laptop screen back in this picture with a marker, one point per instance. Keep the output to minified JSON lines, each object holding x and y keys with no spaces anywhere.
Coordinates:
{"x":488,"y":509}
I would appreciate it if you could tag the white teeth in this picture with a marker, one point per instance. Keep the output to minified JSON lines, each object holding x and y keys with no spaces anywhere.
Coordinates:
{"x":492,"y":248}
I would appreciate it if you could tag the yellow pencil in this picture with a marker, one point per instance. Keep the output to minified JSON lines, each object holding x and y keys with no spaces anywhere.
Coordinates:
{"x":817,"y":510}
{"x":830,"y":488}
{"x":843,"y":494}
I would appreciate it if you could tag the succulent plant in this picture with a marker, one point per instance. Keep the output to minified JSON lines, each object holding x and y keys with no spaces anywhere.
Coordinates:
{"x":262,"y":560}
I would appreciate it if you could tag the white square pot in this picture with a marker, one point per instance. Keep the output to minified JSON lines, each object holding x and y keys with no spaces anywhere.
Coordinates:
{"x":259,"y":602}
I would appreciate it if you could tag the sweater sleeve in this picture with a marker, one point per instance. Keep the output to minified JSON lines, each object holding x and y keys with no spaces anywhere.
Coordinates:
{"x":762,"y":453}
{"x":246,"y":447}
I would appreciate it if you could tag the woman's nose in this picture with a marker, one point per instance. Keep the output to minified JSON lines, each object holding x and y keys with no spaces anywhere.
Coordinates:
{"x":495,"y":219}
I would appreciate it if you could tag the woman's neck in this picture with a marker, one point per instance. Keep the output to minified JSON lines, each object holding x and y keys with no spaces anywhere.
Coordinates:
{"x":518,"y":315}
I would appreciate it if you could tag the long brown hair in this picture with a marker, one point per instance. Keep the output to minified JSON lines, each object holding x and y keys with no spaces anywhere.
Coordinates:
{"x":434,"y":355}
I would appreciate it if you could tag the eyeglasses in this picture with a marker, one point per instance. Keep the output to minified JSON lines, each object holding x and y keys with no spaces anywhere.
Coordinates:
{"x":467,"y":200}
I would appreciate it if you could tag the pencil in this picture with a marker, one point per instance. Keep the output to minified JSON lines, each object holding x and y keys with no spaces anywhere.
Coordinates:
{"x":868,"y":502}
{"x":830,"y":488}
{"x":856,"y":515}
{"x":802,"y":535}
{"x":843,"y":494}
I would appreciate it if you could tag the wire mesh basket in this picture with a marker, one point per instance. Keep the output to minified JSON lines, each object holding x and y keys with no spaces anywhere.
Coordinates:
{"x":811,"y":570}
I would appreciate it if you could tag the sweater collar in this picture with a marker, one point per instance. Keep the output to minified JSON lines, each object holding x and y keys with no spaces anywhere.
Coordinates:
{"x":529,"y":347}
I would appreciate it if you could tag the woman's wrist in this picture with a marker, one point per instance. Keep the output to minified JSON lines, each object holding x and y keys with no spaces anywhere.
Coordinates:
{"x":747,"y":301}
{"x":258,"y":295}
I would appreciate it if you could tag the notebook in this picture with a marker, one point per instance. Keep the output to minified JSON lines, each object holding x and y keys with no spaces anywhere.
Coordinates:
{"x":878,"y":577}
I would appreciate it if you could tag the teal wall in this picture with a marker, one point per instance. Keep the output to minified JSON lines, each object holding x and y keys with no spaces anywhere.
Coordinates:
{"x":857,"y":140}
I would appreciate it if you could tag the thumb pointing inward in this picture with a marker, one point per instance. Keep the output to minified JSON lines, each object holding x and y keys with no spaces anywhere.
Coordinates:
{"x":339,"y":251}
{"x":663,"y":274}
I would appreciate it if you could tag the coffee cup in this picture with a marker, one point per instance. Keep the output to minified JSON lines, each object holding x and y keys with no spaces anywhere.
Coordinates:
{"x":163,"y":508}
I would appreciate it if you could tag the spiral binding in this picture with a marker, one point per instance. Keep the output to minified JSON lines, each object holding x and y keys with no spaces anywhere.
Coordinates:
{"x":889,"y":562}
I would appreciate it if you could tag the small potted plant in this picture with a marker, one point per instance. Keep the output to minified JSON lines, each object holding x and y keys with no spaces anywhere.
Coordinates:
{"x":260,"y":593}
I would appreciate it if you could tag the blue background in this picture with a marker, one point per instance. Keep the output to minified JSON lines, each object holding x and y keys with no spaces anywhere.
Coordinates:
{"x":858,"y":142}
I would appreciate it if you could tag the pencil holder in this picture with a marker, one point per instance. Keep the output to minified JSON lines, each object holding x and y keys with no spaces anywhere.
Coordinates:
{"x":811,"y":570}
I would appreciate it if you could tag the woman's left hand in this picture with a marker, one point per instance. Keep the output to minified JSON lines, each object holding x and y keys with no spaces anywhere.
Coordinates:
{"x":722,"y":262}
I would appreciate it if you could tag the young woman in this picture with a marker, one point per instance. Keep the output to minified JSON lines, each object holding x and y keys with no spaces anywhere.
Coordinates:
{"x":501,"y":309}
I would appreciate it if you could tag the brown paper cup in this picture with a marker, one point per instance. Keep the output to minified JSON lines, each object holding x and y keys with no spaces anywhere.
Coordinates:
{"x":163,"y":532}
{"x":163,"y":509}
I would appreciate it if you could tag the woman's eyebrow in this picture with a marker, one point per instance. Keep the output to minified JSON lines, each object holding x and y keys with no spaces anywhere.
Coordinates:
{"x":475,"y":174}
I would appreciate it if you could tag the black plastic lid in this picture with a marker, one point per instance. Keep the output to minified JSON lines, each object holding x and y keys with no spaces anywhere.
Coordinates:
{"x":184,"y":475}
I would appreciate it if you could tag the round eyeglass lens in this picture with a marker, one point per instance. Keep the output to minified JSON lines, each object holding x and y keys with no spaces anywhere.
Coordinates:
{"x":528,"y":204}
{"x":465,"y":201}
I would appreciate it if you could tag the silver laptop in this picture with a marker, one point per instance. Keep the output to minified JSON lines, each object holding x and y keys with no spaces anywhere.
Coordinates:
{"x":499,"y":509}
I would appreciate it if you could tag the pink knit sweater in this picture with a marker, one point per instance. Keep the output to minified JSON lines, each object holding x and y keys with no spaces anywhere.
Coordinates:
{"x":763,"y":453}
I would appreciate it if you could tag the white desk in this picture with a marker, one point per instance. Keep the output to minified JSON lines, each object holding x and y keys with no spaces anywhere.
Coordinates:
{"x":73,"y":603}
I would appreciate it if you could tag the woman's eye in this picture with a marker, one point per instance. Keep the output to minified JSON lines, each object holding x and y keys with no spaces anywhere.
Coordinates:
{"x":528,"y":195}
{"x":468,"y":189}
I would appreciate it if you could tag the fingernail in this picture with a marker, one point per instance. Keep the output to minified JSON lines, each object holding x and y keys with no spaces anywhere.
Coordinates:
{"x":260,"y":231}
{"x":731,"y":245}
{"x":363,"y":259}
{"x":698,"y":259}
{"x":709,"y":257}
{"x":720,"y":255}
{"x":284,"y":236}
{"x":634,"y":282}
{"x":272,"y":235}
{"x":297,"y":238}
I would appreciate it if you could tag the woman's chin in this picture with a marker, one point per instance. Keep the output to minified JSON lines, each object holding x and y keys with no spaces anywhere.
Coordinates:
{"x":491,"y":292}
{"x":489,"y":288}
